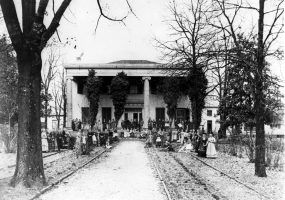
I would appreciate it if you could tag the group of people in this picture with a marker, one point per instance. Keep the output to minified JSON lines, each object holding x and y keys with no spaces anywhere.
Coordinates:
{"x":190,"y":141}
{"x":201,"y":144}
{"x":159,"y":134}
{"x":183,"y":125}
{"x":132,"y":124}
{"x":56,"y":140}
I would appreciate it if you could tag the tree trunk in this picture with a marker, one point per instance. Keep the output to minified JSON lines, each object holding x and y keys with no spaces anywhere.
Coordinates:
{"x":64,"y":109}
{"x":223,"y":128}
{"x":259,"y":99}
{"x":58,"y":122}
{"x":29,"y":164}
{"x":46,"y":110}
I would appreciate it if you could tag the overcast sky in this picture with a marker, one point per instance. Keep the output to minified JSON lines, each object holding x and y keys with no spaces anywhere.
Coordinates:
{"x":134,"y":40}
{"x":115,"y":41}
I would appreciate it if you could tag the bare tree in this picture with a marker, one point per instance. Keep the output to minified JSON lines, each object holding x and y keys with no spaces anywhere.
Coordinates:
{"x":28,"y":42}
{"x":266,"y":34}
{"x":59,"y":98}
{"x":52,"y":64}
{"x":188,"y":50}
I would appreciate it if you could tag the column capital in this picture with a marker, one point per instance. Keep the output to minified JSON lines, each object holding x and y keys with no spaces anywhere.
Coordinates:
{"x":69,"y":77}
{"x":146,"y":78}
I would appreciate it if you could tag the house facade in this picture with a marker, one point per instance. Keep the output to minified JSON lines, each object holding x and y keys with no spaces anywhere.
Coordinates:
{"x":144,"y":101}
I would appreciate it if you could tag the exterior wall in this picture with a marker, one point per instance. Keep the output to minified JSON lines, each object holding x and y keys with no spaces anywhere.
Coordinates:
{"x":80,"y":100}
{"x":145,"y":71}
{"x":214,"y":118}
{"x":52,"y":123}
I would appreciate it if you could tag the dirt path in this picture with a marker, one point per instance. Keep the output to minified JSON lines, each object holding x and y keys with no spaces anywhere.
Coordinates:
{"x":125,"y":174}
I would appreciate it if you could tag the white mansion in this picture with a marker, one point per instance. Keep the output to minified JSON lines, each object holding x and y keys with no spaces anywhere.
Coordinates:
{"x":143,"y":101}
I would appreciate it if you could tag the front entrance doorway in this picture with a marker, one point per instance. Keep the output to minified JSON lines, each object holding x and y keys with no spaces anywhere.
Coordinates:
{"x":106,"y":116}
{"x":133,"y":114}
{"x":209,"y":126}
{"x":160,"y":114}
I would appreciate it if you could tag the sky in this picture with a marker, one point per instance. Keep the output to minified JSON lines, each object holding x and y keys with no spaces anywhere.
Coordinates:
{"x":117,"y":41}
{"x":132,"y":40}
{"x":114,"y":40}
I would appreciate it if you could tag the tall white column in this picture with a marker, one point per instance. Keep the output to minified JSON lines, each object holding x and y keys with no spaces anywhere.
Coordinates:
{"x":146,"y":102}
{"x":68,"y":102}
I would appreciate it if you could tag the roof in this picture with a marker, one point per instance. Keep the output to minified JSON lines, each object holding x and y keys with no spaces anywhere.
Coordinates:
{"x":133,"y":62}
{"x":121,"y":64}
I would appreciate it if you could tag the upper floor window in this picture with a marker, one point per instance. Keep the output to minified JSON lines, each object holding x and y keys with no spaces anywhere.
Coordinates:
{"x":80,"y":87}
{"x":209,"y":113}
{"x":133,"y":89}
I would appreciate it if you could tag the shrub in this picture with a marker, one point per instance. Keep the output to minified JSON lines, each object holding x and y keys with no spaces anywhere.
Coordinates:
{"x":9,"y":139}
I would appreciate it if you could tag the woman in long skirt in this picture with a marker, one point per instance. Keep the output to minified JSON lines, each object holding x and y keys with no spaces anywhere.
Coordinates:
{"x":211,"y":149}
{"x":202,"y":146}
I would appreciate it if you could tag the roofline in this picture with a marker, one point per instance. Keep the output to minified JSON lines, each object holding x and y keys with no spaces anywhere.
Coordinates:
{"x":111,"y":66}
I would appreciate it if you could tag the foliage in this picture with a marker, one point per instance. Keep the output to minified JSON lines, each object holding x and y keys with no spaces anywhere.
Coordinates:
{"x":238,"y":103}
{"x":8,"y":82}
{"x":9,"y":137}
{"x":171,"y":92}
{"x":93,"y":84}
{"x":119,"y":92}
{"x":45,"y":98}
{"x":197,"y":86}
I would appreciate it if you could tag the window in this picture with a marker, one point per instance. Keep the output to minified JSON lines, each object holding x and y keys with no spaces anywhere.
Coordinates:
{"x":182,"y":114}
{"x":80,"y":87}
{"x":54,"y":124}
{"x":160,"y":114}
{"x":209,"y":126}
{"x":133,"y":89}
{"x":126,"y":116}
{"x":85,"y":114}
{"x":209,"y":113}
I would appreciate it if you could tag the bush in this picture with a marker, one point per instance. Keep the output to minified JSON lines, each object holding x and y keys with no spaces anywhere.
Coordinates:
{"x":249,"y":143}
{"x":274,"y":153}
{"x":9,"y":139}
{"x":239,"y":145}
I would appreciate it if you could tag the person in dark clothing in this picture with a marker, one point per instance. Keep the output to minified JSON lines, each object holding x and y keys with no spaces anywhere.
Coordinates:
{"x":149,"y":125}
{"x":79,"y":125}
{"x":59,"y":140}
{"x":202,"y":146}
{"x":168,"y":146}
{"x":73,"y":125}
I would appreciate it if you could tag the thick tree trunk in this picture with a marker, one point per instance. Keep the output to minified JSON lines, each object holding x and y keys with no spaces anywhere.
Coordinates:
{"x":29,"y":164}
{"x":46,"y":110}
{"x":259,"y":99}
{"x":223,"y":128}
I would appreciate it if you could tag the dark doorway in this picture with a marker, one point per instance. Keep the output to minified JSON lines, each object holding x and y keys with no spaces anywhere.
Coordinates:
{"x":160,"y":114}
{"x":209,"y":126}
{"x":106,"y":115}
{"x":135,"y":117}
{"x":182,"y":114}
{"x":140,"y":117}
{"x":85,"y":115}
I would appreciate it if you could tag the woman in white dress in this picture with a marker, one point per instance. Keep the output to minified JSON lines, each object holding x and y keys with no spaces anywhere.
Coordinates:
{"x":211,"y":149}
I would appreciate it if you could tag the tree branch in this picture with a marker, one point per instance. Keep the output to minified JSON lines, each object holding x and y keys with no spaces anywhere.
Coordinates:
{"x":12,"y":23}
{"x":41,"y":10}
{"x":55,"y":22}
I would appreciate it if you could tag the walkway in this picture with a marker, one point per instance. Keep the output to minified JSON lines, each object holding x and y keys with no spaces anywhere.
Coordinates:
{"x":124,"y":175}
